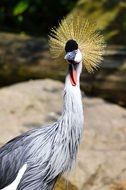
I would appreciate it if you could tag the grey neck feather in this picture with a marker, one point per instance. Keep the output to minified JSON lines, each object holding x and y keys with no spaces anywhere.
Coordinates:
{"x":70,"y":128}
{"x":72,"y":98}
{"x":72,"y":116}
{"x":57,"y":146}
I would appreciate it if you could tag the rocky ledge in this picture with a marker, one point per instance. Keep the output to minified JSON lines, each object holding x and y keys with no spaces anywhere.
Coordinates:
{"x":101,"y":162}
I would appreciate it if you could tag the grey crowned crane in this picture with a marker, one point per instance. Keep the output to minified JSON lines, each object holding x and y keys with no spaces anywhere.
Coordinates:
{"x":35,"y":159}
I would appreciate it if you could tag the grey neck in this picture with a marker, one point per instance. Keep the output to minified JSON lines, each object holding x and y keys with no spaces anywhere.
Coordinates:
{"x":73,"y":108}
{"x":70,"y":126}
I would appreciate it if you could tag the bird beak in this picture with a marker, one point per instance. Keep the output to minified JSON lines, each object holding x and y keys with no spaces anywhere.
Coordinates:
{"x":73,"y":74}
{"x":74,"y":56}
{"x":70,"y":57}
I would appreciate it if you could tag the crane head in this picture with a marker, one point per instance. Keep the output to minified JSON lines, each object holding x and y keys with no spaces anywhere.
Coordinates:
{"x":73,"y":54}
{"x":76,"y":39}
{"x":74,"y":57}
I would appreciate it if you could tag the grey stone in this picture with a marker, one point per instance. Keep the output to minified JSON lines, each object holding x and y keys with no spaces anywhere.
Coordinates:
{"x":101,"y":161}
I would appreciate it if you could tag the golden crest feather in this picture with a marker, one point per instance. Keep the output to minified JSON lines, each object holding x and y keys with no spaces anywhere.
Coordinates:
{"x":90,"y":41}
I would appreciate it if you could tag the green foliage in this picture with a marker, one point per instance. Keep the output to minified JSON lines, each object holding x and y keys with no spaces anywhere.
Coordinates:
{"x":20,"y":7}
{"x":110,"y":16}
{"x":34,"y":17}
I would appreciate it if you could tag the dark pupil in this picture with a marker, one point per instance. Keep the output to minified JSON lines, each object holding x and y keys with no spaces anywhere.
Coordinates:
{"x":71,"y":45}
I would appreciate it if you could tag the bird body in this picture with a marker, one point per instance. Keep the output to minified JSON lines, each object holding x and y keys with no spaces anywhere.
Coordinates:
{"x":35,"y":159}
{"x":48,"y":151}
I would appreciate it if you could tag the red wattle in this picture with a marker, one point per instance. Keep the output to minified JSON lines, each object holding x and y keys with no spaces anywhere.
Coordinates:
{"x":73,"y":77}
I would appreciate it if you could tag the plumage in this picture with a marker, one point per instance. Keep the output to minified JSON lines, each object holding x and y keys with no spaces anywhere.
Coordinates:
{"x":85,"y":33}
{"x":47,"y":152}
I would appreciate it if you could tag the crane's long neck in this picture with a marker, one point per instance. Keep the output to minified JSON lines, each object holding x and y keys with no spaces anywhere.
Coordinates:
{"x":70,"y":126}
{"x":73,"y":109}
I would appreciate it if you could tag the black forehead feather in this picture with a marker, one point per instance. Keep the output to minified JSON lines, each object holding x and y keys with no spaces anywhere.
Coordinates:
{"x":71,"y":45}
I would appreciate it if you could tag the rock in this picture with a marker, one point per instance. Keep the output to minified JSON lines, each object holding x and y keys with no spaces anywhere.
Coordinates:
{"x":101,"y":161}
{"x":24,"y":57}
{"x":24,"y":106}
{"x":110,"y":81}
{"x":63,"y":184}
{"x":119,"y":186}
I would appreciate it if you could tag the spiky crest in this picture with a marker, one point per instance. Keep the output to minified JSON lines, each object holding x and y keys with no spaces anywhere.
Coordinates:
{"x":90,"y":41}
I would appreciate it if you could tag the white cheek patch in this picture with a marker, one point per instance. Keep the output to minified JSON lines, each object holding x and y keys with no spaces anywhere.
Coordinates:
{"x":15,"y":183}
{"x":78,"y":57}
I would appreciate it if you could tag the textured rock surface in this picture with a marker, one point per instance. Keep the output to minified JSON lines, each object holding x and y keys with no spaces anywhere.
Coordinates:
{"x":101,"y":163}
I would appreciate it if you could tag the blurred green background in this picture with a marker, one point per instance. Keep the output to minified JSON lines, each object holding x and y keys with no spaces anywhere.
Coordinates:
{"x":36,"y":17}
